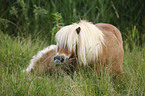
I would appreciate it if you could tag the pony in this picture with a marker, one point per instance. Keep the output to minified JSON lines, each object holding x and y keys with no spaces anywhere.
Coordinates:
{"x":91,"y":45}
{"x":42,"y":62}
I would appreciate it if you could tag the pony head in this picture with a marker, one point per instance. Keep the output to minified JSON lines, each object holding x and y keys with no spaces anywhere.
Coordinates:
{"x":67,"y":38}
{"x":83,"y":40}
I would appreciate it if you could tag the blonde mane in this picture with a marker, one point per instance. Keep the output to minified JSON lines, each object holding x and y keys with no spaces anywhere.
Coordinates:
{"x":89,"y":40}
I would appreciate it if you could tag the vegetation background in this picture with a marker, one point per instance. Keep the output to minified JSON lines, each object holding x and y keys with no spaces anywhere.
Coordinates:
{"x":27,"y":26}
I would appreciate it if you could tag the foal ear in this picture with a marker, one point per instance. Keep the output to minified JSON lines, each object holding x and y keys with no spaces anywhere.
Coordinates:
{"x":78,"y":30}
{"x":59,"y":27}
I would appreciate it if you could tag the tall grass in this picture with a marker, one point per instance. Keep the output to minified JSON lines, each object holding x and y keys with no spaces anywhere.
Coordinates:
{"x":27,"y":26}
{"x":37,"y":16}
{"x":15,"y":56}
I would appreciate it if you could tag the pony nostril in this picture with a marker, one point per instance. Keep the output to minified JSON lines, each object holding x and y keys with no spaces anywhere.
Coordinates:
{"x":62,"y":59}
{"x":56,"y":58}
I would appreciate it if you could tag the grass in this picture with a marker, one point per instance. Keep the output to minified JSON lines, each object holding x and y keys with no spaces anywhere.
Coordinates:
{"x":20,"y":18}
{"x":16,"y":52}
{"x":40,"y":16}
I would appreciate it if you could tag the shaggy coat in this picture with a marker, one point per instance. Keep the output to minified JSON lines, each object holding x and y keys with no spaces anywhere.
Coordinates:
{"x":93,"y":45}
{"x":83,"y":44}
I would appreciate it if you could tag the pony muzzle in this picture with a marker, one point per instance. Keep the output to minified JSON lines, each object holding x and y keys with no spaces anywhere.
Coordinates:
{"x":60,"y":59}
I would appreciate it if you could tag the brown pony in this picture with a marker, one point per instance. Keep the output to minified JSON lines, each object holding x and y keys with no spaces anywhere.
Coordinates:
{"x":86,"y":44}
{"x":43,"y":62}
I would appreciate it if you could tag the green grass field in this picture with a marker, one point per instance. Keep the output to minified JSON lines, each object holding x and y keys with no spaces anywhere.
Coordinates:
{"x":16,"y":52}
{"x":28,"y":26}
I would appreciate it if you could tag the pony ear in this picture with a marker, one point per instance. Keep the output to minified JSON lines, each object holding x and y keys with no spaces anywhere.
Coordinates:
{"x":59,"y":27}
{"x":78,"y":30}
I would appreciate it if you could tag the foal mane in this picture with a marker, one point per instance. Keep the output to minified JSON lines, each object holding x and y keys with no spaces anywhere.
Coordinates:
{"x":89,"y":40}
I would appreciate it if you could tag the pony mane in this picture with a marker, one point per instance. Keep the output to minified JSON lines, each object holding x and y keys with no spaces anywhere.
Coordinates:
{"x":89,"y":40}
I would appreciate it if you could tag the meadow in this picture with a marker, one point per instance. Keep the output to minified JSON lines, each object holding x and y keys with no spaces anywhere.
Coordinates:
{"x":17,"y":52}
{"x":27,"y":27}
